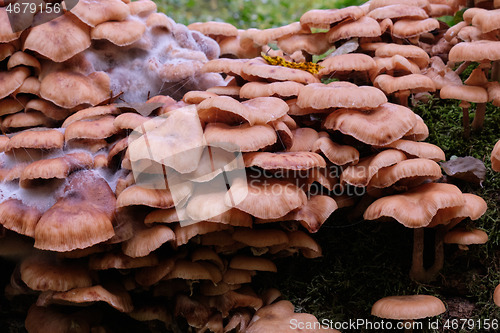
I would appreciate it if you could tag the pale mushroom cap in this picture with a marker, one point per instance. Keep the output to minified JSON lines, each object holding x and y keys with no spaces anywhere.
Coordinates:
{"x":408,"y":307}
{"x":214,"y":28}
{"x":324,"y":18}
{"x":412,"y":82}
{"x":420,"y":204}
{"x":339,"y":95}
{"x":263,"y":37}
{"x":361,"y":173}
{"x":465,"y":237}
{"x":96,"y":12}
{"x":59,"y":39}
{"x":487,"y":20}
{"x":416,"y":169}
{"x":465,"y":93}
{"x":119,"y":33}
{"x":346,"y":62}
{"x":316,"y":43}
{"x":259,"y":68}
{"x":475,"y":51}
{"x":12,"y":80}
{"x":374,"y":4}
{"x":42,"y":139}
{"x":336,"y":153}
{"x":284,"y":160}
{"x":372,"y":127}
{"x":261,"y":89}
{"x":398,"y":11}
{"x":364,"y":27}
{"x":418,"y":149}
{"x":410,"y":28}
{"x":474,"y":208}
{"x":245,"y":137}
{"x":411,"y":52}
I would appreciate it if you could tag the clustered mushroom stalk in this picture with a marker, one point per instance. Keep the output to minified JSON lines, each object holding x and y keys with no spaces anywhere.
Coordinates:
{"x":218,"y":160}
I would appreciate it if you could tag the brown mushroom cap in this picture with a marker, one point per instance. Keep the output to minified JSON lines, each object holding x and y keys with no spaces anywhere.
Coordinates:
{"x":59,"y":39}
{"x":363,"y":27}
{"x":68,"y":89}
{"x":418,"y":149}
{"x":119,"y":33}
{"x":463,"y":236}
{"x":474,"y":208}
{"x":118,"y":299}
{"x":12,"y":80}
{"x":336,"y":153}
{"x":361,"y":173}
{"x":372,"y":127}
{"x":80,"y":218}
{"x":340,"y":95}
{"x":245,"y":137}
{"x":398,"y":11}
{"x":284,"y":160}
{"x":406,"y":28}
{"x":316,"y":43}
{"x":325,"y":18}
{"x":475,"y":51}
{"x":212,"y":28}
{"x":267,"y":199}
{"x":101,"y":128}
{"x":416,"y":207}
{"x":413,"y":170}
{"x":118,"y":260}
{"x":411,"y":52}
{"x":139,"y":195}
{"x":408,"y":307}
{"x":252,"y":263}
{"x":43,"y":272}
{"x":261,"y":237}
{"x":263,"y":37}
{"x":6,"y":32}
{"x":18,"y":217}
{"x":147,"y":240}
{"x":94,"y":13}
{"x":36,"y":139}
{"x":465,"y":93}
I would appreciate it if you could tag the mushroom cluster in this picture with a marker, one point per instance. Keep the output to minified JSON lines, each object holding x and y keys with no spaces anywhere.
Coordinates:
{"x":221,"y":155}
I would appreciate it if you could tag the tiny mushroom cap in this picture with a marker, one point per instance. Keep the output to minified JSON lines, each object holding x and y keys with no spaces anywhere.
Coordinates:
{"x":245,"y":137}
{"x":408,"y":307}
{"x":340,"y":95}
{"x":495,"y":157}
{"x":372,"y":127}
{"x":463,"y":236}
{"x":95,"y":12}
{"x":325,"y":18}
{"x":416,"y":207}
{"x":59,"y":39}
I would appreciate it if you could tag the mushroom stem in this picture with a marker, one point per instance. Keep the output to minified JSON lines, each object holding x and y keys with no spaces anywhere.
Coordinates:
{"x":403,"y":97}
{"x":477,"y":123}
{"x":465,"y":118}
{"x":418,"y":272}
{"x":462,"y":67}
{"x":495,"y":71}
